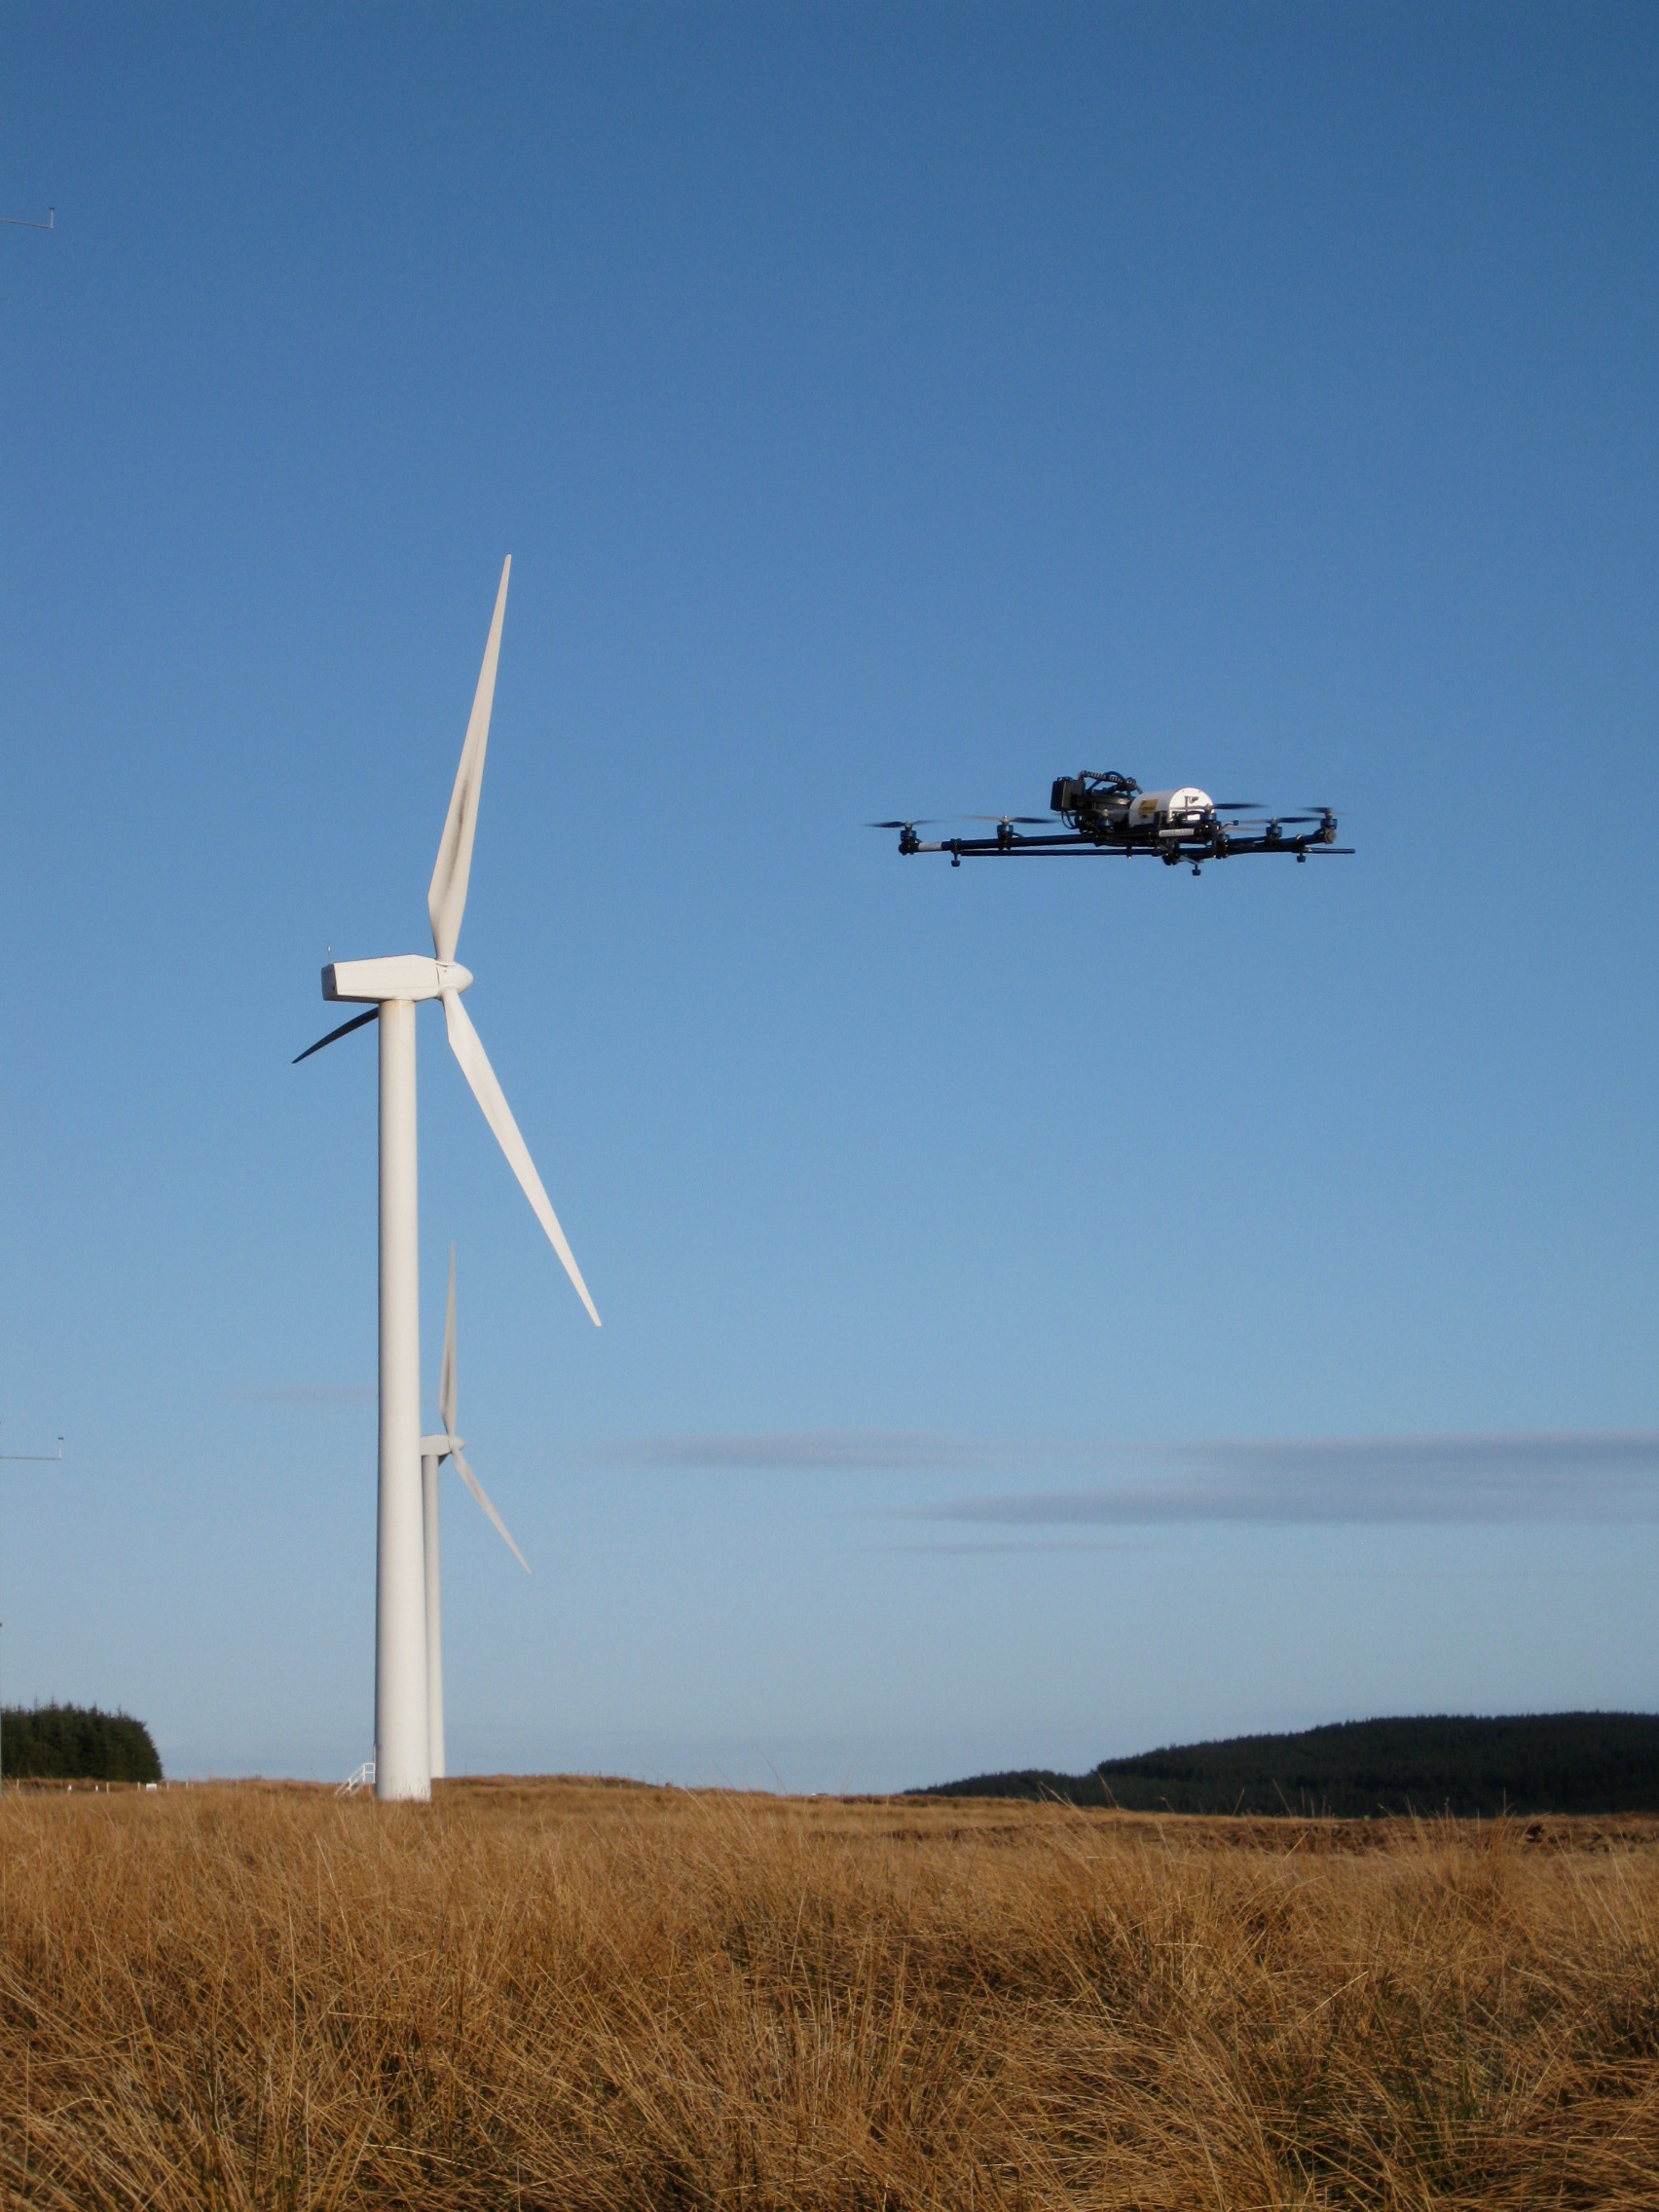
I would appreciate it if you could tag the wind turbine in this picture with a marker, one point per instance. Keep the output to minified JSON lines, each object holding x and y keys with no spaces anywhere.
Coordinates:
{"x":392,"y":989}
{"x":434,"y":1449}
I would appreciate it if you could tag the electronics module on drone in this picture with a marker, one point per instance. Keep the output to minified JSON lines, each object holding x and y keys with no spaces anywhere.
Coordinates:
{"x":1105,"y":812}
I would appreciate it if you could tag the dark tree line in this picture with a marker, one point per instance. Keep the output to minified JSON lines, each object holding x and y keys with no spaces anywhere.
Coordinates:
{"x":1544,"y":1763}
{"x":75,"y":1743}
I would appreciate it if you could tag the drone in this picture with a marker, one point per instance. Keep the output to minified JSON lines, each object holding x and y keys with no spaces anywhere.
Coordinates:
{"x":1104,"y":812}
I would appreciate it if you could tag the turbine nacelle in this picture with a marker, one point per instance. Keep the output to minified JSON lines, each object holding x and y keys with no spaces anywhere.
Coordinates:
{"x":405,"y":975}
{"x":440,"y":1446}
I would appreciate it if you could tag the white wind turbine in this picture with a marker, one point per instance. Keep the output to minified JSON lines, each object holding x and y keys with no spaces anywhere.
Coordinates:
{"x":434,"y":1449}
{"x":391,"y":988}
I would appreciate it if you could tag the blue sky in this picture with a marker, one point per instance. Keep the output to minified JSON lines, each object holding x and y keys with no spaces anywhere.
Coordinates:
{"x":886,"y":410}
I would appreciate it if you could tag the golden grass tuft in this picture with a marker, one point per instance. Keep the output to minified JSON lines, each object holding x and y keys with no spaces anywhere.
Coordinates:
{"x":575,"y":1995}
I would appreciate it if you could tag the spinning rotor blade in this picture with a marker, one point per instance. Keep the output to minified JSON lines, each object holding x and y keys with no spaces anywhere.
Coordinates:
{"x":483,"y":1496}
{"x":469,"y":1049}
{"x":345,"y":1029}
{"x":1237,"y":805}
{"x":446,"y":898}
{"x":1032,"y":820}
{"x":446,"y":1374}
{"x":918,"y":822}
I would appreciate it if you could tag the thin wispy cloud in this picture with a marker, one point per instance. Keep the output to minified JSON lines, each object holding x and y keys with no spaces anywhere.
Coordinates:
{"x":305,"y":1394}
{"x":1586,"y":1476}
{"x":810,"y":1451}
{"x":1070,"y":1546}
{"x":1573,"y":1477}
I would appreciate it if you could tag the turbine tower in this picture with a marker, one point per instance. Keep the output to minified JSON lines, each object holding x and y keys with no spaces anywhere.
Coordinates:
{"x":391,"y":988}
{"x":434,"y":1449}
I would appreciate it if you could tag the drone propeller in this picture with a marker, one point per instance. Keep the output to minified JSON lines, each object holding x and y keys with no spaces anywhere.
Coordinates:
{"x":919,"y":822}
{"x":1032,"y":820}
{"x":1234,"y":805}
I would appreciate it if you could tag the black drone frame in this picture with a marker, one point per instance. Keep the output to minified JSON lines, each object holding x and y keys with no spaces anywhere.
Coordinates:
{"x":1083,"y":803}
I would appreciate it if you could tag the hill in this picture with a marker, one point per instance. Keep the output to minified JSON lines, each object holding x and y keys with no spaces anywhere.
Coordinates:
{"x":75,"y":1743}
{"x":1536,"y":1762}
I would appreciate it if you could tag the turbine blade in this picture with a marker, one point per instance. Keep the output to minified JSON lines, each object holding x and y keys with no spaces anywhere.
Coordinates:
{"x":483,"y":1496}
{"x":446,"y":1378}
{"x":469,"y":1049}
{"x":446,"y":898}
{"x":344,"y":1030}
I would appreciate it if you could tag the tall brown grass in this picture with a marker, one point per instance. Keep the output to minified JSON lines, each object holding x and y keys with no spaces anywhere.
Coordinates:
{"x":580,"y":1997}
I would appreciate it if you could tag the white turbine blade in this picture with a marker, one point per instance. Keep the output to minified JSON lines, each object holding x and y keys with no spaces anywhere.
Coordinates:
{"x":447,"y":1376}
{"x":445,"y":899}
{"x":469,"y":1049}
{"x":481,"y":1494}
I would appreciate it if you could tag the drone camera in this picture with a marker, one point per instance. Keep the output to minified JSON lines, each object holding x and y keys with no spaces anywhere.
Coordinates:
{"x":1092,"y":793}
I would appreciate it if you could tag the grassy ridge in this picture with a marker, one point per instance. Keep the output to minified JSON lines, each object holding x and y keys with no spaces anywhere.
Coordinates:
{"x":606,"y":1999}
{"x":75,"y":1743}
{"x":1552,"y":1762}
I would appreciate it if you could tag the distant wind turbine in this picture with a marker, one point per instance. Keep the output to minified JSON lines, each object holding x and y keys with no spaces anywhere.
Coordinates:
{"x":392,"y":989}
{"x":434,"y":1449}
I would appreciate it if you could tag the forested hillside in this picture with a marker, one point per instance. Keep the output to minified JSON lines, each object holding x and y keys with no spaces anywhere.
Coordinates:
{"x":1545,"y":1762}
{"x":75,"y":1743}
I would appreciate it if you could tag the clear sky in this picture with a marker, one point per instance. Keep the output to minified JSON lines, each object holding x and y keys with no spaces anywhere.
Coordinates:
{"x":886,"y":409}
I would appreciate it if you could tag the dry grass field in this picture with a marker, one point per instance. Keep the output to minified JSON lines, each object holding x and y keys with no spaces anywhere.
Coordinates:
{"x":576,"y":1996}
